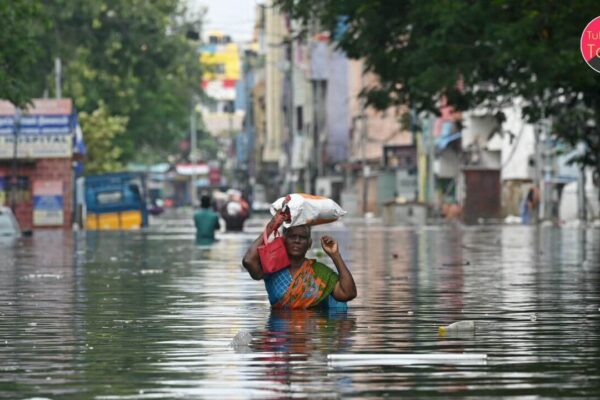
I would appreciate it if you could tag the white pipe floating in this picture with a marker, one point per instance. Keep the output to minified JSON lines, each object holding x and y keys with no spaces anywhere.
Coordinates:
{"x":360,"y":359}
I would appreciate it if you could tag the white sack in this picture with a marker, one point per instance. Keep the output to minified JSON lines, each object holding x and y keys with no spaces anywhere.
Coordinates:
{"x":307,"y":209}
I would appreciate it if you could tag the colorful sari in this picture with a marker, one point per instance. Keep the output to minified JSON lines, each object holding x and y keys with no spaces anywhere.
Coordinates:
{"x":311,"y":286}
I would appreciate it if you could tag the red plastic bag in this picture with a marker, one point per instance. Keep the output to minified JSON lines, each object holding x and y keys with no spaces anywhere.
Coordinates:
{"x":273,"y":255}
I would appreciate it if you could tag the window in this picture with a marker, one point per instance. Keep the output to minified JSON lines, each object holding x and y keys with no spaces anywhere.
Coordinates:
{"x":109,"y":197}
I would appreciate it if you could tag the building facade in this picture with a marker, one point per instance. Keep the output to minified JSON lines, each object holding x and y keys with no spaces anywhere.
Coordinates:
{"x":40,"y":150}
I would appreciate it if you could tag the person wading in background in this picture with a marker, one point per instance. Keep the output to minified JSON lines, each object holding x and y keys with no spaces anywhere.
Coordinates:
{"x":206,"y":222}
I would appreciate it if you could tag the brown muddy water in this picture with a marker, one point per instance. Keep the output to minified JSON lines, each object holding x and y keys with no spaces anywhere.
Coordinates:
{"x":151,"y":315}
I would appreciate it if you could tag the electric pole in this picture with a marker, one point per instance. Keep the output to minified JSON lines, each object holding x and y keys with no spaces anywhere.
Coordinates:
{"x":363,"y":146}
{"x":193,"y":154}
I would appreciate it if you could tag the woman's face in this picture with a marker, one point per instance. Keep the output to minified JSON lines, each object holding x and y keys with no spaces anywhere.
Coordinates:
{"x":297,"y":241}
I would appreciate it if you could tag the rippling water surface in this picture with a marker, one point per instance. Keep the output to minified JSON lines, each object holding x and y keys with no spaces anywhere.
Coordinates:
{"x":148,"y":315}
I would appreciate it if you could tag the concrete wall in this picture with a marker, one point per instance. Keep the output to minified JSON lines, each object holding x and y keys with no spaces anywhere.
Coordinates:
{"x":338,"y":121}
{"x":476,"y":129}
{"x":383,"y":128}
{"x":372,"y":186}
{"x":47,"y":169}
{"x":518,"y":146}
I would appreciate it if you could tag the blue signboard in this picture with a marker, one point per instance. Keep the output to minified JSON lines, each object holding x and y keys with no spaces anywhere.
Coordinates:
{"x":48,"y":203}
{"x":46,"y":129}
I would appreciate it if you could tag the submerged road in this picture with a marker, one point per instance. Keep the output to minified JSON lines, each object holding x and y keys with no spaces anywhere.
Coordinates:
{"x":147,"y":315}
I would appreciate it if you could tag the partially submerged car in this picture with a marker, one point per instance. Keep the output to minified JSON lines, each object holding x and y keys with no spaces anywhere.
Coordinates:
{"x":8,"y":223}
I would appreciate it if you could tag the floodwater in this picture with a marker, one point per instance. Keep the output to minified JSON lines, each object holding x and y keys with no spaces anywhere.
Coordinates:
{"x":150,"y":315}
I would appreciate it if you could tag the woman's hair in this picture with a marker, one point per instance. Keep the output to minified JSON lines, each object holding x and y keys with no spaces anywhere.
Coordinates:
{"x":306,"y":227}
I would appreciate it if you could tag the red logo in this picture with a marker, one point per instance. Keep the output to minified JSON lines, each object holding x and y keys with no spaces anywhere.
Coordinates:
{"x":590,"y":44}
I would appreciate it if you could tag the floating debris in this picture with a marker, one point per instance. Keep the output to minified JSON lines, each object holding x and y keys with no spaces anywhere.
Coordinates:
{"x":351,"y":360}
{"x":533,"y":317}
{"x":151,"y":271}
{"x":242,"y":338}
{"x":458,"y":327}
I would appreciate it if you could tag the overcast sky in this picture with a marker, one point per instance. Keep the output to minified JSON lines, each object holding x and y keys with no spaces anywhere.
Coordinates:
{"x":235,"y":17}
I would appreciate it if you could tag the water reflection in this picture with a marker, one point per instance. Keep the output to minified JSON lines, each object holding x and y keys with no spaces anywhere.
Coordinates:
{"x":139,"y":315}
{"x":38,"y":320}
{"x":307,"y":331}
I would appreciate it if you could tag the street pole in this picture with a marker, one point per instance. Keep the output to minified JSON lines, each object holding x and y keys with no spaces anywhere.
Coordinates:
{"x":193,"y":154}
{"x":538,"y":179}
{"x":547,"y":172}
{"x":582,"y":205}
{"x":14,"y":178}
{"x":318,"y":96}
{"x":248,"y":174}
{"x":231,"y":144}
{"x":424,"y":152}
{"x":193,"y":100}
{"x":319,"y":140}
{"x":363,"y":146}
{"x":429,"y":145}
{"x":291,"y":107}
{"x":57,"y":77}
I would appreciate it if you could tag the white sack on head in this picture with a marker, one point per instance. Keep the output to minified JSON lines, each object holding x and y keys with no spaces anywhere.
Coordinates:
{"x":307,"y":209}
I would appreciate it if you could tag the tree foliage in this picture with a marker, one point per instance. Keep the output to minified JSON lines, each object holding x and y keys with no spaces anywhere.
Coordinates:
{"x":100,"y":130}
{"x":473,"y":52}
{"x":132,"y":56}
{"x":21,"y":23}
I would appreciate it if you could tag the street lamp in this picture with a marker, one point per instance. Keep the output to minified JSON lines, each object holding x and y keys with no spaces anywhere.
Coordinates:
{"x":193,"y":151}
{"x":194,"y":34}
{"x":14,"y":178}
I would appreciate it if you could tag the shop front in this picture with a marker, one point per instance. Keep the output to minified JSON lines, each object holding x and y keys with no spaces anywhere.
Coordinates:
{"x":38,"y":148}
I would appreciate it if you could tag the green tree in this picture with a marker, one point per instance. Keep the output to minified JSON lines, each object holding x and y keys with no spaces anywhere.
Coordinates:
{"x":131,"y":55}
{"x":21,"y":23}
{"x":496,"y":49}
{"x":134,"y":56}
{"x":100,"y":131}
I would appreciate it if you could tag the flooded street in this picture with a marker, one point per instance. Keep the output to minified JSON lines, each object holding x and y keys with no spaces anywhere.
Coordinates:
{"x":148,"y":315}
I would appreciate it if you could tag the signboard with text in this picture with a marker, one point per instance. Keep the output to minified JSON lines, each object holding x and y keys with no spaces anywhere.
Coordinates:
{"x":44,"y":130}
{"x":48,"y":203}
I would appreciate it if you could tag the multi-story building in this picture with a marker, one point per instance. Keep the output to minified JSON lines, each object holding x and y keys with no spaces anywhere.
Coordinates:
{"x":221,"y":113}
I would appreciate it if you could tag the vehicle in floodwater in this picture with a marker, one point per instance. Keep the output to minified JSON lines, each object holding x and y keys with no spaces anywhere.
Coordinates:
{"x":115,"y":201}
{"x":8,"y":223}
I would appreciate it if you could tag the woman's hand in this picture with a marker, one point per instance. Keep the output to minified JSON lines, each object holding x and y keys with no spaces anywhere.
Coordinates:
{"x":345,"y":288}
{"x":329,"y":245}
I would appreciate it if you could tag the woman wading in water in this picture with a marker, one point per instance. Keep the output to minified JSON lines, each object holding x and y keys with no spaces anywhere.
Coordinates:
{"x":304,"y":283}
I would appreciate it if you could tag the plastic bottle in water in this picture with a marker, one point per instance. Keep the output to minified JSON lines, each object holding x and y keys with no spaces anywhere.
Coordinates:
{"x":457,"y":327}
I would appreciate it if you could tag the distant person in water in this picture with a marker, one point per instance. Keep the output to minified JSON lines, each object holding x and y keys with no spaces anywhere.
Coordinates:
{"x":206,"y":222}
{"x":305,"y":283}
{"x":235,"y":211}
{"x":529,"y":206}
